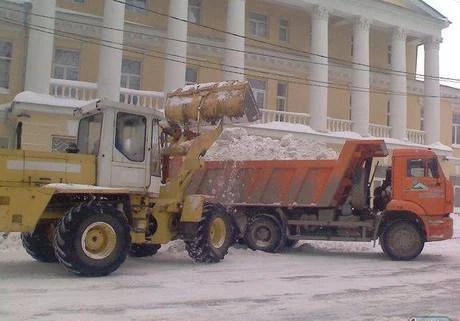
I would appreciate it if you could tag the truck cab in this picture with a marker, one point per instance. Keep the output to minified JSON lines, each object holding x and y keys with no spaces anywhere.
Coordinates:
{"x":419,"y":187}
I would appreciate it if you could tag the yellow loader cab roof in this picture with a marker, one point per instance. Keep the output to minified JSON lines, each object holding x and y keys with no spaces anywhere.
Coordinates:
{"x":103,"y":103}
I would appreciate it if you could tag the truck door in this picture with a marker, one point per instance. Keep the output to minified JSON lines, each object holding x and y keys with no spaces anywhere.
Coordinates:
{"x":424,"y":185}
{"x":131,"y":158}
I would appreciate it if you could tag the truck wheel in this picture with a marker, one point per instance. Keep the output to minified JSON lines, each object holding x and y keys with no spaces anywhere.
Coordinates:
{"x":143,"y":250}
{"x":92,"y":239}
{"x":213,"y":237}
{"x":264,"y":234}
{"x":38,"y":244}
{"x":402,"y":240}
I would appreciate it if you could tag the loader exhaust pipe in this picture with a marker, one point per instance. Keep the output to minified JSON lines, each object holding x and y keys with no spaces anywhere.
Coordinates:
{"x":212,"y":101}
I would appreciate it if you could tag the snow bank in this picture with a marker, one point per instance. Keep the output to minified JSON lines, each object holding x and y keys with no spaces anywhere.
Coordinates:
{"x":10,"y":242}
{"x":236,"y":144}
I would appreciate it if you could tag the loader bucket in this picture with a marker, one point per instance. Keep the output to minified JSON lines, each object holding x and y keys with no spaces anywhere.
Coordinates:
{"x":212,"y":101}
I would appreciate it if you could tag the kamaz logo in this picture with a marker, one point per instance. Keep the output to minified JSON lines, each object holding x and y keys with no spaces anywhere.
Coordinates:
{"x":419,"y":186}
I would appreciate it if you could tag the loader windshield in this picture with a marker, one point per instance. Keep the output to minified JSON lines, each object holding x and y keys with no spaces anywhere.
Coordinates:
{"x":89,"y":134}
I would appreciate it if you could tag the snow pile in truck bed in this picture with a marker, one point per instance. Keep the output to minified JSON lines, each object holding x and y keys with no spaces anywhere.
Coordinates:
{"x":237,"y":144}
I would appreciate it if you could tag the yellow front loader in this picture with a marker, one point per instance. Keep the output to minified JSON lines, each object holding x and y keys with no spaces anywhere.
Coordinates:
{"x":106,"y":197}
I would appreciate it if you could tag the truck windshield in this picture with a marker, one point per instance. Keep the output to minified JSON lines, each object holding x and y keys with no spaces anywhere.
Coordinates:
{"x":89,"y":134}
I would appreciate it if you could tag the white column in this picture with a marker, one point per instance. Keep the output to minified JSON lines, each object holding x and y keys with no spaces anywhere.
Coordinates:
{"x":235,"y":25}
{"x":360,"y":78}
{"x":111,"y":50}
{"x":432,"y":111}
{"x":40,"y":47}
{"x":176,"y":51}
{"x":398,"y":85}
{"x":319,"y":68}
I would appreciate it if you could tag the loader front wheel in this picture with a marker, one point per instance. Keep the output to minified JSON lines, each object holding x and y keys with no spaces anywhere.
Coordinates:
{"x":92,"y":239}
{"x":264,"y":234}
{"x":38,"y":244}
{"x":143,"y":250}
{"x":213,"y":236}
{"x":402,"y":241}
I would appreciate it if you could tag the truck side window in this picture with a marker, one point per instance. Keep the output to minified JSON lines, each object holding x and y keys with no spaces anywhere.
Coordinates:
{"x":432,"y":168}
{"x":130,"y":136}
{"x":415,"y":168}
{"x":422,"y":167}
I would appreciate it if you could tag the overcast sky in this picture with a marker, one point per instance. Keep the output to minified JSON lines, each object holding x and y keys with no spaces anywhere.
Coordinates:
{"x":450,"y":48}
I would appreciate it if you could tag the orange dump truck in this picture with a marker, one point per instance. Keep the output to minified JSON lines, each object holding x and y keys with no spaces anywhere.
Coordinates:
{"x":274,"y":203}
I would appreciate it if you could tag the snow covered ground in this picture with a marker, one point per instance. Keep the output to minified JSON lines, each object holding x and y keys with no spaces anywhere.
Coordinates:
{"x":315,"y":281}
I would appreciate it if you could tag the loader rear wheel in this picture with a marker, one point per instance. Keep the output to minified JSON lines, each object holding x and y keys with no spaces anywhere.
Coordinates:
{"x":402,"y":240}
{"x":143,"y":250}
{"x":92,"y":239}
{"x":264,"y":234}
{"x":213,"y":236}
{"x":38,"y":244}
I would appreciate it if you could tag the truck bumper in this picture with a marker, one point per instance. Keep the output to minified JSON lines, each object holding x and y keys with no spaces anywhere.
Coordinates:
{"x":438,"y":228}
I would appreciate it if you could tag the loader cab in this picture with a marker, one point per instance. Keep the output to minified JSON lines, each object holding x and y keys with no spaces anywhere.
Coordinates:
{"x":124,"y":139}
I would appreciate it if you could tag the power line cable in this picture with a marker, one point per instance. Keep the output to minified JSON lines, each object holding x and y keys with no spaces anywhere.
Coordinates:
{"x":303,"y":81}
{"x":388,"y":72}
{"x":346,"y":63}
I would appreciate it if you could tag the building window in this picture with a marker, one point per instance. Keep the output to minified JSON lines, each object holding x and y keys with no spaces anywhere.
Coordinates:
{"x":259,"y":24}
{"x":456,"y":128}
{"x":284,"y":30}
{"x":5,"y":63}
{"x":130,"y":74}
{"x":137,"y":6}
{"x":350,"y":102}
{"x":281,"y":96}
{"x":422,"y":118}
{"x":61,"y":143}
{"x":194,"y":11}
{"x":66,"y":64}
{"x":388,"y":112}
{"x":191,"y":76}
{"x":389,"y":50}
{"x":131,"y":79}
{"x":352,"y":45}
{"x":259,"y":89}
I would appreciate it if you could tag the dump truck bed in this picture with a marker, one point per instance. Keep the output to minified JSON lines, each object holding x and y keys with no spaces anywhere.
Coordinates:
{"x":286,"y":183}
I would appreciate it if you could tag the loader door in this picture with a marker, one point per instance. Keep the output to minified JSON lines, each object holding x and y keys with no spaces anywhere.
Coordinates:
{"x":424,"y":184}
{"x":131,"y":151}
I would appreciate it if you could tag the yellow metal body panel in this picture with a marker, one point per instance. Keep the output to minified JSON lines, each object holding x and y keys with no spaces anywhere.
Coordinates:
{"x":22,"y":207}
{"x":193,"y":208}
{"x":31,"y":168}
{"x":24,"y":195}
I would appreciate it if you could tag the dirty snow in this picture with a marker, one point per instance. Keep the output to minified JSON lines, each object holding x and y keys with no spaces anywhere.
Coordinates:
{"x":237,"y":144}
{"x":315,"y":281}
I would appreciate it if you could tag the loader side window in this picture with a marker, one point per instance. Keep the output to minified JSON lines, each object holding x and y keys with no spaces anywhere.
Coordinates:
{"x":156,"y":151}
{"x":130,"y":136}
{"x":89,"y":134}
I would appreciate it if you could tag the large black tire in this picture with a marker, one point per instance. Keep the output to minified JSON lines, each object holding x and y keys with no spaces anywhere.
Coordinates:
{"x":402,"y":240}
{"x":213,"y":236}
{"x":143,"y":250}
{"x":92,"y":239}
{"x":264,"y":233}
{"x":38,"y":244}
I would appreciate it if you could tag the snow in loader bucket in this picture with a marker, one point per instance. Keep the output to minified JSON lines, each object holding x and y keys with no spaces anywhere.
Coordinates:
{"x":210,"y":102}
